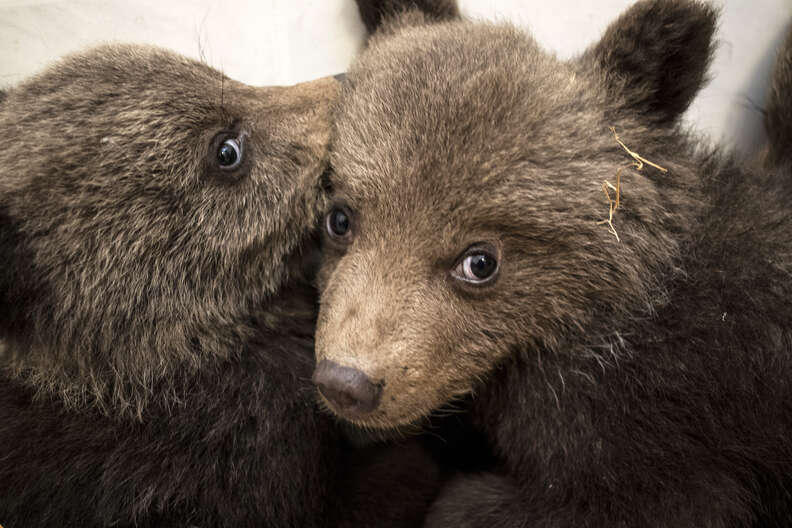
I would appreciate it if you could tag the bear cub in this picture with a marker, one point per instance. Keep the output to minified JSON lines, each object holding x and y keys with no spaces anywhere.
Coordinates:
{"x":151,"y":217}
{"x":541,"y":239}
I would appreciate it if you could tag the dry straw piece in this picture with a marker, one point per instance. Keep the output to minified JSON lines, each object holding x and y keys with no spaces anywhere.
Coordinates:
{"x":638,"y":164}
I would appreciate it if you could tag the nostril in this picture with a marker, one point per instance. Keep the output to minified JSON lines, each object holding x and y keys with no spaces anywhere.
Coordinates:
{"x":347,"y":389}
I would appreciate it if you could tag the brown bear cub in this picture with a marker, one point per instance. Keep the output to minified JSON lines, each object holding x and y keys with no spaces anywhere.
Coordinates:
{"x":156,"y":323}
{"x":613,"y":298}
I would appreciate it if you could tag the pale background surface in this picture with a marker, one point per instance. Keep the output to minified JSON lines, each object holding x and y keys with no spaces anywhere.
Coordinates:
{"x":287,"y":41}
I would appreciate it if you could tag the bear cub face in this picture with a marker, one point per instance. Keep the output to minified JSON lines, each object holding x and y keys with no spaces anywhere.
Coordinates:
{"x":472,"y":225}
{"x":148,"y":203}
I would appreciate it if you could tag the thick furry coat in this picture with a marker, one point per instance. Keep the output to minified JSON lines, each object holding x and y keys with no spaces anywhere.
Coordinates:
{"x":630,"y":365}
{"x":156,"y":323}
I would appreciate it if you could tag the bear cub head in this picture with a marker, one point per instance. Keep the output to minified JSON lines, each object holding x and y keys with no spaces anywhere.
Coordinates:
{"x":469,"y":220}
{"x":151,"y":210}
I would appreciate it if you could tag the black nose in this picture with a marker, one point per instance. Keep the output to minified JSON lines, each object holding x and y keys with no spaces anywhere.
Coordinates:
{"x":347,"y":389}
{"x":340,"y":77}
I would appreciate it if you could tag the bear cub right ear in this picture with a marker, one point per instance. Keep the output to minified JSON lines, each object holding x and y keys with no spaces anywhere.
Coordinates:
{"x":655,"y":56}
{"x":376,"y":13}
{"x":778,"y":114}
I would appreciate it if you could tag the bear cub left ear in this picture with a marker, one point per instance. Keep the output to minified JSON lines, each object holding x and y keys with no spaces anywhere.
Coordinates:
{"x":655,"y":55}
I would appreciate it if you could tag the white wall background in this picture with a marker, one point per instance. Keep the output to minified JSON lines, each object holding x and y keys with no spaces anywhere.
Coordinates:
{"x":286,"y":41}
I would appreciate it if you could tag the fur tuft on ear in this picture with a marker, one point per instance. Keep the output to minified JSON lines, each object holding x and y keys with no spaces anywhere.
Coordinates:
{"x":655,"y":56}
{"x":778,"y":114}
{"x":375,"y":13}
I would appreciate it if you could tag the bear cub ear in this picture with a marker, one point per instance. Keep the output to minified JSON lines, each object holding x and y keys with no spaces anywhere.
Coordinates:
{"x":376,"y":13}
{"x":656,"y":55}
{"x":778,"y":113}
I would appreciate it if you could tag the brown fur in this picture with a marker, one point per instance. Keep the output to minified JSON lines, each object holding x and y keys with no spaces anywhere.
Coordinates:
{"x":642,"y":381}
{"x":155,"y":321}
{"x":778,"y":114}
{"x":124,"y":222}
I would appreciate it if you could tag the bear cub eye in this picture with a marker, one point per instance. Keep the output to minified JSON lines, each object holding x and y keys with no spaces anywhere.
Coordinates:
{"x":478,"y":265}
{"x":339,"y":224}
{"x":229,"y":153}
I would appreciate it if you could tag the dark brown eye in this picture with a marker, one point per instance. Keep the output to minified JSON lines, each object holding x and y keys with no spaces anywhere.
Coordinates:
{"x":229,"y":154}
{"x":478,"y":265}
{"x":338,"y":223}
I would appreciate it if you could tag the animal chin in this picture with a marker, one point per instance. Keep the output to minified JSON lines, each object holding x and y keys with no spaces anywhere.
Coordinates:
{"x":380,"y":419}
{"x":352,"y":413}
{"x":405,"y":419}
